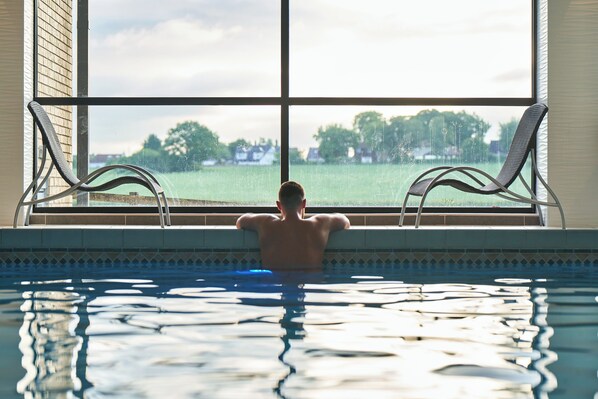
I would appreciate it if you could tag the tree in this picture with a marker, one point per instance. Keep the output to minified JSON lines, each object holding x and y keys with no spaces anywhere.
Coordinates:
{"x":474,"y":149}
{"x":444,"y":129}
{"x":507,"y":131}
{"x":151,"y":156}
{"x":239,"y":143}
{"x":152,"y":142}
{"x":371,"y":126}
{"x":463,"y":126}
{"x":222,"y":152}
{"x":189,"y":144}
{"x":437,"y":131}
{"x":266,"y":141}
{"x":150,"y":159}
{"x":295,"y":157}
{"x":425,"y":127}
{"x":399,"y":139}
{"x":335,"y":142}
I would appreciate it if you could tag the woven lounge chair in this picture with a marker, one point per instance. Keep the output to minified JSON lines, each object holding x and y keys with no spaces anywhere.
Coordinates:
{"x":51,"y":144}
{"x":521,"y":147}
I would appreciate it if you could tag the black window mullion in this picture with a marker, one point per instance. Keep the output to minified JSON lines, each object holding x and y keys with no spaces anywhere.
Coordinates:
{"x":284,"y":90}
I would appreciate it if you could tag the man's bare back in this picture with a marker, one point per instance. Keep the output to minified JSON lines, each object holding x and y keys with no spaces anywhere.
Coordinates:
{"x":291,"y":241}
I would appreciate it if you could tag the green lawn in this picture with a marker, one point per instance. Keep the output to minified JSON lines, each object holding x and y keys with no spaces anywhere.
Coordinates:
{"x":351,"y":185}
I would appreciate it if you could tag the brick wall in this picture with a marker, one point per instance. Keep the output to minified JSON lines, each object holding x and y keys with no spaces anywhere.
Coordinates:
{"x":55,"y":75}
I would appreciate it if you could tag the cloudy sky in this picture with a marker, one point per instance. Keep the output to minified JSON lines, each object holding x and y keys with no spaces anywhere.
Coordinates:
{"x":381,"y":48}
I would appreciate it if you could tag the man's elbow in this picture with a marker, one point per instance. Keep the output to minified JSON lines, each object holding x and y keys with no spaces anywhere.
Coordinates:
{"x":342,"y":222}
{"x":241,"y":222}
{"x":346,"y":223}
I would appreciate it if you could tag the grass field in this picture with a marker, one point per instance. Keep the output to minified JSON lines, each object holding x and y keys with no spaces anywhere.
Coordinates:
{"x":325,"y":185}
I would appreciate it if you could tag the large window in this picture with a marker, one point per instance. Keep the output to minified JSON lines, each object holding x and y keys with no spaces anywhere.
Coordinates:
{"x":224,"y":99}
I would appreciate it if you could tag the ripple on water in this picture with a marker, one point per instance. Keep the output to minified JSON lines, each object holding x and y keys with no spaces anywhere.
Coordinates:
{"x":263,"y":335}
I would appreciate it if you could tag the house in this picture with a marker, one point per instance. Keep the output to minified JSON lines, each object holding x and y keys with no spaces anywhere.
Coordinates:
{"x":451,"y":152}
{"x":364,"y":154}
{"x":423,"y":154}
{"x":313,"y":156}
{"x":101,"y":160}
{"x":256,"y":155}
{"x":494,"y":147}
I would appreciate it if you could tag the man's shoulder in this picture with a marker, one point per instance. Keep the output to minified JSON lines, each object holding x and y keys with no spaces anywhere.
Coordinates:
{"x":333,"y":221}
{"x":254,"y":221}
{"x":321,"y":217}
{"x":265,"y":218}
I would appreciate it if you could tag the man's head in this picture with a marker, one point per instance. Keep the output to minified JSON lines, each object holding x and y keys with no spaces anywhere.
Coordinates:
{"x":291,"y":196}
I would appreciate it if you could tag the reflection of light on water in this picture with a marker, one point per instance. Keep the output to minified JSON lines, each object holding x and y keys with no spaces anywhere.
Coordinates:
{"x":49,"y":343}
{"x":542,"y":344}
{"x":288,"y":334}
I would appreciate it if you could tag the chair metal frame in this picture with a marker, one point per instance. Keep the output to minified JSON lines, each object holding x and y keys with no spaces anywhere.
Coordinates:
{"x":501,"y":190}
{"x":36,"y":185}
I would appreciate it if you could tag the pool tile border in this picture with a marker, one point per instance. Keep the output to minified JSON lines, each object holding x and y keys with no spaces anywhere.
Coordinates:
{"x":334,"y":259}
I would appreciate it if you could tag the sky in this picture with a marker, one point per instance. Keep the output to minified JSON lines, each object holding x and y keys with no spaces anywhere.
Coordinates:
{"x":380,"y":48}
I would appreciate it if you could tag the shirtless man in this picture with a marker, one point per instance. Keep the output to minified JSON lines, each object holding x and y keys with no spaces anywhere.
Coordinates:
{"x":288,"y":241}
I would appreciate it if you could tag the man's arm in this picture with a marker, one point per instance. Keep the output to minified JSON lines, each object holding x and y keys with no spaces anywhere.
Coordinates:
{"x":253,"y":221}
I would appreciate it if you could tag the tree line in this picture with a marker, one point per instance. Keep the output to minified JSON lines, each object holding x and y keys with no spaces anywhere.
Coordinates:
{"x":442,"y":134}
{"x":185,"y":148}
{"x":438,"y":135}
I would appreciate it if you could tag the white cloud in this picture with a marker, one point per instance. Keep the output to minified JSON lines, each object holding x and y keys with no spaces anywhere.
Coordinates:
{"x":430,"y":48}
{"x":171,"y":57}
{"x":338,"y":48}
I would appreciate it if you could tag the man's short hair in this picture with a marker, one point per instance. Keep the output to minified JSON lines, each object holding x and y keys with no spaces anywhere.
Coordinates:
{"x":291,"y":194}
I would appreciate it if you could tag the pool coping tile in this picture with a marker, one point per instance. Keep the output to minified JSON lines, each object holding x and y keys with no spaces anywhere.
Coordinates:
{"x":224,"y":238}
{"x":250,"y":239}
{"x":425,"y":238}
{"x":148,"y":238}
{"x":468,"y":239}
{"x":66,"y":238}
{"x":103,"y":238}
{"x":508,"y":239}
{"x":347,"y":239}
{"x":549,"y":239}
{"x":582,"y":239}
{"x":385,"y":238}
{"x":21,"y":238}
{"x":184,"y":238}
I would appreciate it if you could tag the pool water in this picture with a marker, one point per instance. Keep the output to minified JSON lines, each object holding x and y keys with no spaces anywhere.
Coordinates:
{"x":160,"y":333}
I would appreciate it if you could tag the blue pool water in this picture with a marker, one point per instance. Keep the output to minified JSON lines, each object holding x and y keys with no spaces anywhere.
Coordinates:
{"x":156,"y":333}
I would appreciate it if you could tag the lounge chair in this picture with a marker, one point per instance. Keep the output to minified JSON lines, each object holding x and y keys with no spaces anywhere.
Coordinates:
{"x":51,"y":144}
{"x":521,"y":146}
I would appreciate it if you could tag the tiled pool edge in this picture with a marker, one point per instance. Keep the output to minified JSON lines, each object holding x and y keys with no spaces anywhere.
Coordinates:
{"x":362,"y":247}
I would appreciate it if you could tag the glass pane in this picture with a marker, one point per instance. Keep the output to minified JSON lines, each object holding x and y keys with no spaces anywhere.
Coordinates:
{"x":200,"y":155}
{"x":369,"y":156}
{"x":407,"y":48}
{"x":195,"y":48}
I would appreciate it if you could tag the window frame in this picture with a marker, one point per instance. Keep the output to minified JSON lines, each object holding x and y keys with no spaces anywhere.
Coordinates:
{"x":285,"y":101}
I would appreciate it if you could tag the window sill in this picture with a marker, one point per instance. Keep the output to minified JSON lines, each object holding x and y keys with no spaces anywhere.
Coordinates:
{"x":390,"y":219}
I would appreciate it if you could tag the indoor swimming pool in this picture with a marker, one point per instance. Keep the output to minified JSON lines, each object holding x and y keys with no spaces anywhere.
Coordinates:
{"x":194,"y":332}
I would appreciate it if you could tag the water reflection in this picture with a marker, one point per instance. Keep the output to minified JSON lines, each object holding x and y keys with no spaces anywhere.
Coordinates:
{"x":299,"y":336}
{"x":292,"y":298}
{"x":53,"y":340}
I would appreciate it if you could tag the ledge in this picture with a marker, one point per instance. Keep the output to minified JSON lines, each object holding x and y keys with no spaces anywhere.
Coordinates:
{"x":382,"y":238}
